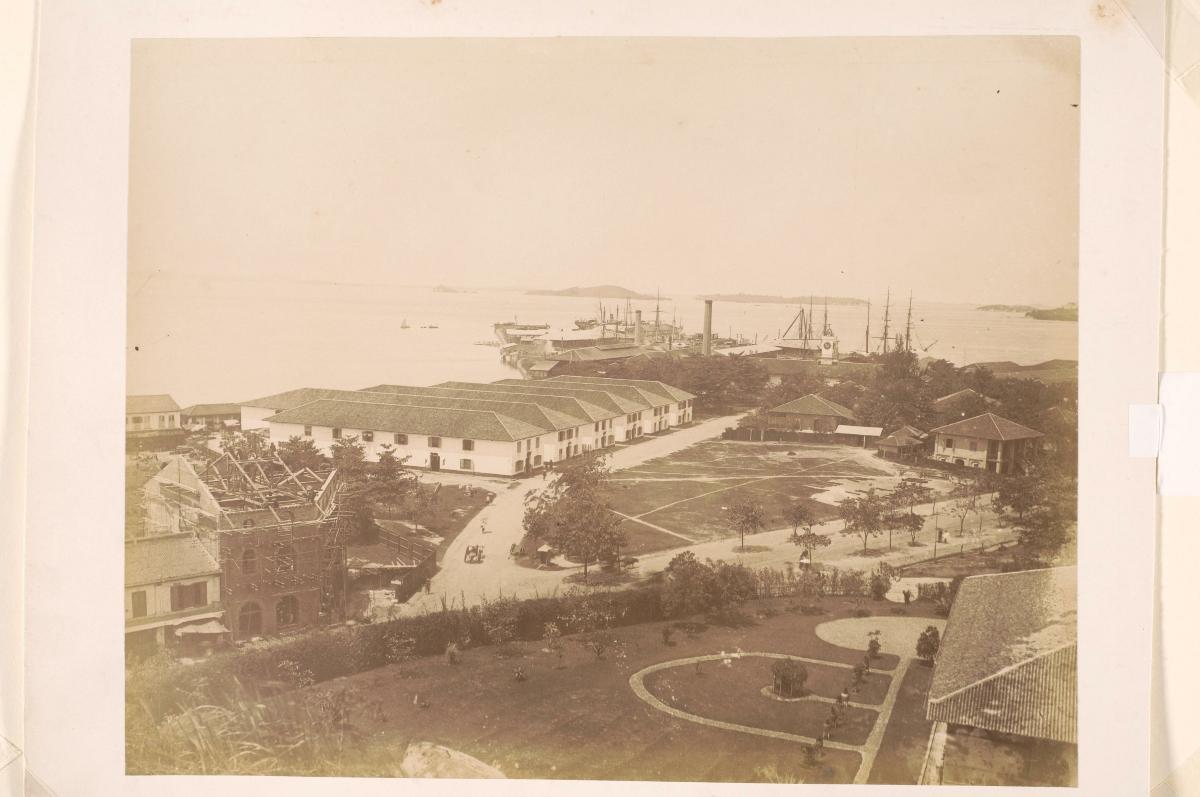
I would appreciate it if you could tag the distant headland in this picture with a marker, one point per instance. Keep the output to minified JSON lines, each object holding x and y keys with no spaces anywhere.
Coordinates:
{"x":1068,"y":312}
{"x":594,"y":292}
{"x":757,"y":298}
{"x":1008,"y":308}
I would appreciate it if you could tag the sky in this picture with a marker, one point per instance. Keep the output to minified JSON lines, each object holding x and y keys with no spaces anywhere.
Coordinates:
{"x":943,"y":166}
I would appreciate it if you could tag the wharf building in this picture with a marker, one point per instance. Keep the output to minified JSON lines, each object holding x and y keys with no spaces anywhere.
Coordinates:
{"x":512,"y":427}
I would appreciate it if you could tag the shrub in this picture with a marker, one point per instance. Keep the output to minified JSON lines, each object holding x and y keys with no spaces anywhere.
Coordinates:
{"x":812,"y":609}
{"x":453,"y":655}
{"x":788,"y":677}
{"x":928,"y":643}
{"x":861,"y":612}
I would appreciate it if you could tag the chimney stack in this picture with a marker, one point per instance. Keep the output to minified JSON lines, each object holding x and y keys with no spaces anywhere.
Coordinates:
{"x":707,"y":350}
{"x":637,"y":327}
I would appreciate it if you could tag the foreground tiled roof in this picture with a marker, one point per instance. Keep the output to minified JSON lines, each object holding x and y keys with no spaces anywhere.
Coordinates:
{"x":150,"y":560}
{"x":654,"y":386}
{"x":435,"y":421}
{"x":1007,"y":662}
{"x":158,"y":402}
{"x":292,"y":398}
{"x":812,"y":404}
{"x":988,"y":426}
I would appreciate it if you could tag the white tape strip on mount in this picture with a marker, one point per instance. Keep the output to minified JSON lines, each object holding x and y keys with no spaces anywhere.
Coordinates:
{"x":1178,"y":463}
{"x":1145,"y":430}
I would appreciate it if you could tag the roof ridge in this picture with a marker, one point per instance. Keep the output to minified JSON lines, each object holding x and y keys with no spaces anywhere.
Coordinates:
{"x":1005,"y":671}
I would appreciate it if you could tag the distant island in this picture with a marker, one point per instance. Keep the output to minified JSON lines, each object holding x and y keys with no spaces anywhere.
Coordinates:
{"x":595,"y":292}
{"x":448,"y":289}
{"x":1008,"y":308}
{"x":1068,"y":312}
{"x":757,"y":298}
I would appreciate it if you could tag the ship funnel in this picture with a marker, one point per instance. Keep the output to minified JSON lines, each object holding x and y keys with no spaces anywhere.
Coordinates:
{"x":707,"y":350}
{"x":637,"y":327}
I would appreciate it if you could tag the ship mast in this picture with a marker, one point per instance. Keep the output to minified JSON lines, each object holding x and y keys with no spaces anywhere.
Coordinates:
{"x":867,"y":350}
{"x":658,"y":299}
{"x":908,"y":325}
{"x":887,"y":307}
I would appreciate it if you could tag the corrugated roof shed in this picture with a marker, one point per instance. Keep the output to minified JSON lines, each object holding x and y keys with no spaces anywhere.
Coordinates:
{"x":812,"y":404}
{"x":174,"y":557}
{"x":1007,"y":661}
{"x":988,"y":426}
{"x":158,"y":402}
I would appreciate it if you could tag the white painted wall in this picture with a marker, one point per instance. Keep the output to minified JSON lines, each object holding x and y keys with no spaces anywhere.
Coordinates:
{"x":961,"y":450}
{"x":151,"y":421}
{"x":256,"y":417}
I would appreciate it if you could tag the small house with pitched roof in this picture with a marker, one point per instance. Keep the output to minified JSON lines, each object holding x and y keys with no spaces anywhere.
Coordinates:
{"x":986,"y":441}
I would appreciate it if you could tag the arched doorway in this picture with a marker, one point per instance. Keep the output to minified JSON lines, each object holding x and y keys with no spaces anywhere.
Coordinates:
{"x":249,"y":619}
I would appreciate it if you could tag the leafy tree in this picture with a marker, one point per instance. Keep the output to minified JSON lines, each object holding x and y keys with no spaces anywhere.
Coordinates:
{"x":799,"y":516}
{"x":349,"y":458}
{"x":1019,"y":493}
{"x":389,"y":466}
{"x":928,"y":643}
{"x":1046,"y":528}
{"x":863,"y":516}
{"x":688,"y":585}
{"x":299,"y":453}
{"x":747,"y":517}
{"x":572,"y":516}
{"x":906,"y":522}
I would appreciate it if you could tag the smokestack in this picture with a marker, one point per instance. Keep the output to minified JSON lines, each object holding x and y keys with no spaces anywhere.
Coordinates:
{"x":637,"y":327}
{"x":707,"y":350}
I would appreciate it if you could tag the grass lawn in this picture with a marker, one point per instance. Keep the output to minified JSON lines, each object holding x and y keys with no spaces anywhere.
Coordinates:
{"x":974,"y":562}
{"x":689,"y":491}
{"x":902,"y":751}
{"x":583,"y":720}
{"x":734,"y":694}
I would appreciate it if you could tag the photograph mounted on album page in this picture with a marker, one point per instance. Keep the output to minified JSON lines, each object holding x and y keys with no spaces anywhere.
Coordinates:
{"x":591,"y":396}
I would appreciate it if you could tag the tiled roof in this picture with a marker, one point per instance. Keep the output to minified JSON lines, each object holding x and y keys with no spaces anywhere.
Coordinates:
{"x":546,"y":419}
{"x":435,"y":421}
{"x":648,"y":398}
{"x":593,"y":405}
{"x":958,"y":395}
{"x":661,"y":388}
{"x":563,"y":409}
{"x":292,"y":398}
{"x":200,"y":410}
{"x":1007,"y":659}
{"x":174,"y":557}
{"x":812,"y":404}
{"x":988,"y":426}
{"x":159,"y":402}
{"x":904,"y":437}
{"x":625,"y":402}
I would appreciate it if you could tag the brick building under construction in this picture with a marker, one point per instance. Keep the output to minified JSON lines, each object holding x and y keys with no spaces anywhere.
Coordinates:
{"x":276,"y":533}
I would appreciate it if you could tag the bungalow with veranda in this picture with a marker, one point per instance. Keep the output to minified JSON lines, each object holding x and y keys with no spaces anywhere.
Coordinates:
{"x":986,"y":441}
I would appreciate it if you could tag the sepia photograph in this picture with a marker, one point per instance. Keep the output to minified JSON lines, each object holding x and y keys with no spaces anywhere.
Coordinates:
{"x":627,"y":409}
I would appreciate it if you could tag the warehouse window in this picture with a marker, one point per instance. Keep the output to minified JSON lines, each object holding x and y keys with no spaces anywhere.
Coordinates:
{"x":466,"y":464}
{"x":308,"y":431}
{"x":368,"y":437}
{"x":468,"y":445}
{"x":435,"y":442}
{"x":400,"y":439}
{"x":949,"y":442}
{"x":337,"y":434}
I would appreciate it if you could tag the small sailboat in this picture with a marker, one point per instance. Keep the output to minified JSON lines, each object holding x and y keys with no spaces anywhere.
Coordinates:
{"x":404,"y":323}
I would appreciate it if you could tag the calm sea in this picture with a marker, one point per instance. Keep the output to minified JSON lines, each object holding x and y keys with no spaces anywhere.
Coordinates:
{"x":218,"y":341}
